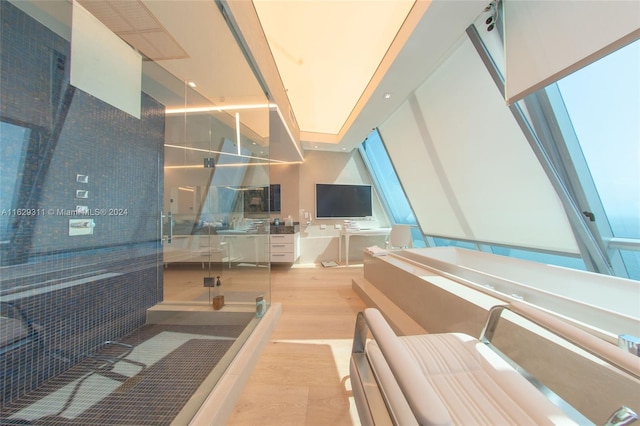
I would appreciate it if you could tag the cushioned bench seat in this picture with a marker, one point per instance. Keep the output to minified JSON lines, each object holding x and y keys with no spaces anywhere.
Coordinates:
{"x":451,"y":379}
{"x":473,"y":383}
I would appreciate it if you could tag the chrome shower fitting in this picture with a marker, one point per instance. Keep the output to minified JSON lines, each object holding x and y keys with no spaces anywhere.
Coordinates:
{"x":621,"y":417}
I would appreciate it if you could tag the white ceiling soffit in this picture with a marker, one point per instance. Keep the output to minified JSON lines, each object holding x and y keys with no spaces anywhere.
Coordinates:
{"x":327,"y":52}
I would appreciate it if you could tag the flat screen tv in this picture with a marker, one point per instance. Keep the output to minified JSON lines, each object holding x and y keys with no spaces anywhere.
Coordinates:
{"x":339,"y":201}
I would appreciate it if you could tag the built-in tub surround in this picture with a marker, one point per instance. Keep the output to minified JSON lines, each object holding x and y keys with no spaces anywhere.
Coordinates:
{"x":606,"y":303}
{"x":439,"y":302}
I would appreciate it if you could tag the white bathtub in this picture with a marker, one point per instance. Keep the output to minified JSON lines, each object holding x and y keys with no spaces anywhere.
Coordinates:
{"x":607,"y":303}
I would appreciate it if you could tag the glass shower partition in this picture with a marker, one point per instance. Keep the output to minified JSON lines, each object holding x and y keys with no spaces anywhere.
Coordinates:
{"x":216,"y":196}
{"x":99,"y":204}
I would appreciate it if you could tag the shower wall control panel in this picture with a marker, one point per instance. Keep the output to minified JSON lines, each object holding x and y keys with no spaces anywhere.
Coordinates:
{"x":81,"y":227}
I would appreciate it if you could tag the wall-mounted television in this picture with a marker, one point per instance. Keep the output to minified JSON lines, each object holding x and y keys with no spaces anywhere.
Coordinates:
{"x":340,"y":201}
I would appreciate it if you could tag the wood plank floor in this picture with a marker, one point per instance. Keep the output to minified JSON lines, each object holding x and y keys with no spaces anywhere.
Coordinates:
{"x":302,"y":377}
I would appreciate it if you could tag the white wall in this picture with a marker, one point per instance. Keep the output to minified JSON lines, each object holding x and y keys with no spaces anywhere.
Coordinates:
{"x":298,"y":197}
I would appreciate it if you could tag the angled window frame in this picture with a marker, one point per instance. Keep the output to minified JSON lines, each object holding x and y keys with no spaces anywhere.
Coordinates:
{"x":385,"y":198}
{"x":547,"y":125}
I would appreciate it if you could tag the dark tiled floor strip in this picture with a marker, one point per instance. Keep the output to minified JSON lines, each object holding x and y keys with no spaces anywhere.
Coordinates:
{"x":152,"y":397}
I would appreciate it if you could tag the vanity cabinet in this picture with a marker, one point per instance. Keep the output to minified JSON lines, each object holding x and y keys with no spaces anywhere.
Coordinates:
{"x":284,"y":248}
{"x":247,"y":247}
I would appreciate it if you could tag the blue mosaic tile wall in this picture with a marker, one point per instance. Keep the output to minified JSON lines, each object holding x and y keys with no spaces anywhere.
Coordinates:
{"x":63,"y":296}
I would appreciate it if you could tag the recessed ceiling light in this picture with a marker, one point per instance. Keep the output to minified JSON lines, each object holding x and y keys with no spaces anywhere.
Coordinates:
{"x":387,"y":95}
{"x":191,"y":84}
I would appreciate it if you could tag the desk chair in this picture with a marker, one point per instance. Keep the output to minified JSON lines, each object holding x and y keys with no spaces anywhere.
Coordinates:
{"x":400,"y":237}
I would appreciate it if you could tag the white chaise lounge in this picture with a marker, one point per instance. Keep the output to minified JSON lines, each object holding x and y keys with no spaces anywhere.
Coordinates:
{"x":456,"y":379}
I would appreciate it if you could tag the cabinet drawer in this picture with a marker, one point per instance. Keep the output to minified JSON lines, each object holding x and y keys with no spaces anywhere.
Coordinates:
{"x":281,"y":248}
{"x":282,"y":257}
{"x":282,"y":238}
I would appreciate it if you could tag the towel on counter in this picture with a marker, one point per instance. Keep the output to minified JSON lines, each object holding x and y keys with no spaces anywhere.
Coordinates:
{"x":351,"y":226}
{"x":376,"y":251}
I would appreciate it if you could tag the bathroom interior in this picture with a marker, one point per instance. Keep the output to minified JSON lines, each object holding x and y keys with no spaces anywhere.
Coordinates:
{"x":137,"y":199}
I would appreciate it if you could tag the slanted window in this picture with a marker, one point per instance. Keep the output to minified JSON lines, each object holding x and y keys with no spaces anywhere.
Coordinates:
{"x":388,"y":186}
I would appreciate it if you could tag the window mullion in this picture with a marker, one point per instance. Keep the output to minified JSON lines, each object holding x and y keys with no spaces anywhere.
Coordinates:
{"x":376,"y":182}
{"x":576,"y":172}
{"x":545,"y":126}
